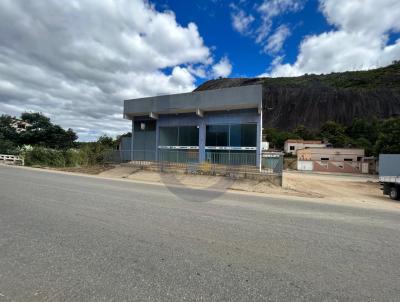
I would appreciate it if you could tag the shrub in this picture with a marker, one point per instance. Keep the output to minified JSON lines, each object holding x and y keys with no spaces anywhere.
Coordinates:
{"x":44,"y":157}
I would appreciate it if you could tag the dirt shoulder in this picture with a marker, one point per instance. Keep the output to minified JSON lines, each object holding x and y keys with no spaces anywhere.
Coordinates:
{"x":345,"y":189}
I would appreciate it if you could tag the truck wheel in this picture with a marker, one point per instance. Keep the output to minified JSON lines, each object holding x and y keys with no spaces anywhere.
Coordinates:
{"x":394,"y":193}
{"x":386,"y":189}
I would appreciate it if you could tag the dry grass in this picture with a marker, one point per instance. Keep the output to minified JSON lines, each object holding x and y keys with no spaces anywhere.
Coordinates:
{"x":92,"y":170}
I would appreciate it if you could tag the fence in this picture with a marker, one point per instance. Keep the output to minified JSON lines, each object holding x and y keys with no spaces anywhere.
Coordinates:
{"x":11,"y":159}
{"x":216,"y":162}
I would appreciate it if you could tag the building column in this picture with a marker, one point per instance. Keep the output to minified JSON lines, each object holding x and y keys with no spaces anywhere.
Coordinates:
{"x":157,"y":139}
{"x":133,"y":132}
{"x":202,"y":140}
{"x":259,"y":141}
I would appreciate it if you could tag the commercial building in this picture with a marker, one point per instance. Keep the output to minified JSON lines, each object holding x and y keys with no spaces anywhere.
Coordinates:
{"x":292,"y":145}
{"x":342,"y":160}
{"x":210,"y":125}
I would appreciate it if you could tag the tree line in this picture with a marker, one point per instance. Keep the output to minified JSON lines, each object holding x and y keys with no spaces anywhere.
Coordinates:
{"x":45,"y":143}
{"x":374,"y":135}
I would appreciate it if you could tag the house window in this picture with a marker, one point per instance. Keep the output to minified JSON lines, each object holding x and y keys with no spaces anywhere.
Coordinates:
{"x":324,"y":158}
{"x":291,"y":148}
{"x":348,"y":159}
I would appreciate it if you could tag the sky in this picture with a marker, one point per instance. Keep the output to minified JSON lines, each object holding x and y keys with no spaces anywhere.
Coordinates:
{"x":76,"y":61}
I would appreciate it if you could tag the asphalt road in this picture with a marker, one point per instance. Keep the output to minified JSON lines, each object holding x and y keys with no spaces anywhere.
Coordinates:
{"x":74,"y":238}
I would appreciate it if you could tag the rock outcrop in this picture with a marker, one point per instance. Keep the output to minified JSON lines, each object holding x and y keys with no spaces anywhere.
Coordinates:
{"x":311,"y":100}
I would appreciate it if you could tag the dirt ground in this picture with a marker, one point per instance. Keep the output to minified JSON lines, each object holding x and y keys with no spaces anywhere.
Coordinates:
{"x":92,"y":170}
{"x":343,"y":188}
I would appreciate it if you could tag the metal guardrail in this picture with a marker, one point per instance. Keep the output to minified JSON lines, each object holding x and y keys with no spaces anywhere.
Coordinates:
{"x":11,"y":159}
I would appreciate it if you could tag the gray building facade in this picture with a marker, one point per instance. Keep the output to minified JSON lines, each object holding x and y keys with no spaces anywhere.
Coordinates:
{"x":198,"y":126}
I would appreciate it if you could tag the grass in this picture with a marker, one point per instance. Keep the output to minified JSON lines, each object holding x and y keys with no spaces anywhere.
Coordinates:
{"x":385,"y":77}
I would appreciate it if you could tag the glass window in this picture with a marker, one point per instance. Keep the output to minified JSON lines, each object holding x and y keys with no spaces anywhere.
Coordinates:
{"x":188,"y":136}
{"x":168,"y":136}
{"x":217,"y":135}
{"x":244,"y":135}
{"x":179,"y":136}
{"x":237,"y":135}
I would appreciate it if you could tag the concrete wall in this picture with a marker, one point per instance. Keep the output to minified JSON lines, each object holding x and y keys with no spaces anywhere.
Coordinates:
{"x":299,"y":146}
{"x":210,"y":100}
{"x":330,"y":166}
{"x":332,"y":154}
{"x":144,"y":146}
{"x":337,"y":167}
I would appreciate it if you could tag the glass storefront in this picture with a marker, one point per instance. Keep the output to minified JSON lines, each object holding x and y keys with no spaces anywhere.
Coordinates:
{"x":217,"y":135}
{"x":186,"y":136}
{"x":234,"y":135}
{"x":179,"y":144}
{"x":233,"y":144}
{"x":230,"y":144}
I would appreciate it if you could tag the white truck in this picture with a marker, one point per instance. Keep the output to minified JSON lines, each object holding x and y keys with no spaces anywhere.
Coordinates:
{"x":389,"y":175}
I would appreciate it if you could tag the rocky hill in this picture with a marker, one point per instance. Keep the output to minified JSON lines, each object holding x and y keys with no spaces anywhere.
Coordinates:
{"x":311,"y":100}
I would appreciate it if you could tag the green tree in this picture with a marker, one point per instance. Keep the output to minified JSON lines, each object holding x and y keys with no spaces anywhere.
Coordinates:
{"x":304,"y":133}
{"x":107,"y":141}
{"x":44,"y":133}
{"x":389,"y":137}
{"x":335,"y":133}
{"x":277,"y":138}
{"x":8,"y":132}
{"x":364,"y":128}
{"x":7,"y":146}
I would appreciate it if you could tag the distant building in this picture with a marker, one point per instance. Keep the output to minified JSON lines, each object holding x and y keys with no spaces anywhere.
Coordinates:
{"x":292,"y":145}
{"x":341,"y":160}
{"x":19,"y":125}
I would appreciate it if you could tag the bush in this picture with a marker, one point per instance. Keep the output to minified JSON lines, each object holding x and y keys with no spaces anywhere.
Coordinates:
{"x":44,"y":157}
{"x":75,"y":158}
{"x":87,"y":155}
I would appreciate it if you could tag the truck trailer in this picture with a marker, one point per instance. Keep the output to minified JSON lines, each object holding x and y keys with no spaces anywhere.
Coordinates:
{"x":389,"y":175}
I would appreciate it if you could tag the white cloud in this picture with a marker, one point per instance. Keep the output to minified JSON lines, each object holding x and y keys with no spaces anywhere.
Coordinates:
{"x":260,"y":28}
{"x":360,"y":40}
{"x":277,"y":39}
{"x":223,"y":68}
{"x":77,"y":60}
{"x":241,"y":21}
{"x":269,"y":9}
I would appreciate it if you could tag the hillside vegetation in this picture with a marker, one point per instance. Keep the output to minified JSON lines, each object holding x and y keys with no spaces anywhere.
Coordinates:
{"x":312,"y":100}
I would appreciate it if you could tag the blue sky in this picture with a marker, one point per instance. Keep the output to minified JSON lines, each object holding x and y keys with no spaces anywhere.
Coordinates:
{"x":248,"y":57}
{"x":76,"y":61}
{"x":214,"y":22}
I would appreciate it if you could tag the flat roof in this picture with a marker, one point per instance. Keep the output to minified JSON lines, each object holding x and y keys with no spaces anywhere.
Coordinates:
{"x":300,"y":141}
{"x":243,"y":97}
{"x":332,"y":150}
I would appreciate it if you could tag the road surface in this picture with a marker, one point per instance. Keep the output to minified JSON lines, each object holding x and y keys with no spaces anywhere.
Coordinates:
{"x":74,"y":238}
